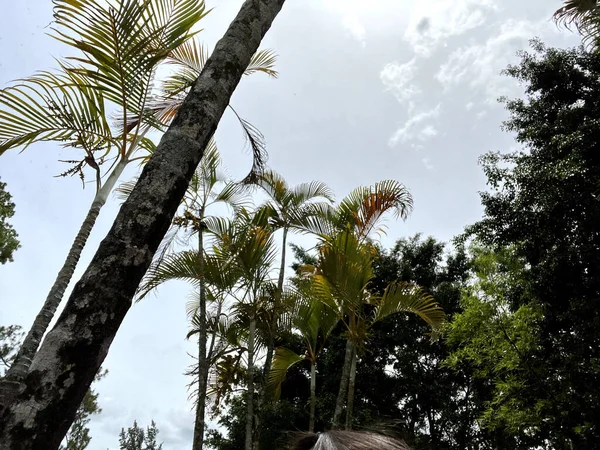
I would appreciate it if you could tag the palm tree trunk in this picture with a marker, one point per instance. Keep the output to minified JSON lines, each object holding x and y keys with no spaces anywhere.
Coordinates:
{"x":313,"y":396}
{"x":39,"y":413}
{"x":28,"y":349}
{"x":339,"y":403}
{"x":250,"y":383}
{"x":273,"y":325}
{"x":351,"y":384}
{"x":203,"y":364}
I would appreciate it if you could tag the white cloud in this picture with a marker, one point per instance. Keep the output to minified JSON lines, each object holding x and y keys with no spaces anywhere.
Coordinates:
{"x":427,"y":163}
{"x":415,"y":128}
{"x":398,"y":79}
{"x":356,"y":29}
{"x":433,"y":22}
{"x":479,"y":65}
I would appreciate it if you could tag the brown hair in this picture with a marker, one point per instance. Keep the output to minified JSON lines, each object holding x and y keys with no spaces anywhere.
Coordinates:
{"x":346,"y":440}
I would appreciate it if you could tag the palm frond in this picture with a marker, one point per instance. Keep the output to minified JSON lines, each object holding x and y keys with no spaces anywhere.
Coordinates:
{"x":283,"y":360}
{"x":57,"y":107}
{"x":256,"y":142}
{"x":407,"y":297}
{"x":178,"y":266}
{"x":263,"y":61}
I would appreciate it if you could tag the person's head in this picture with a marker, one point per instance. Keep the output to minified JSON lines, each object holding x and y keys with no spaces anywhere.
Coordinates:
{"x":346,"y":440}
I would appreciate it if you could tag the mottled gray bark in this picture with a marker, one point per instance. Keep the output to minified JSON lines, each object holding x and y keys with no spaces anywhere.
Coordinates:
{"x":38,"y":414}
{"x":203,"y":364}
{"x":20,"y":366}
{"x":339,"y":403}
{"x":351,"y":384}
{"x":313,"y":396}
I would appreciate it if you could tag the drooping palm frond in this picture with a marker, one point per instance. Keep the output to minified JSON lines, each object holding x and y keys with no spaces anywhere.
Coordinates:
{"x":283,"y":360}
{"x":584,"y":14}
{"x":407,"y":297}
{"x":54,"y":107}
{"x":256,"y":142}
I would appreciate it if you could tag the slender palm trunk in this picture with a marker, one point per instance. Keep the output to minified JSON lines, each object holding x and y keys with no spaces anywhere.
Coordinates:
{"x":28,"y":349}
{"x":250,"y":383}
{"x":313,"y":396}
{"x":278,"y":294}
{"x":351,"y":384}
{"x":203,"y":364}
{"x":339,"y":403}
{"x":40,"y":412}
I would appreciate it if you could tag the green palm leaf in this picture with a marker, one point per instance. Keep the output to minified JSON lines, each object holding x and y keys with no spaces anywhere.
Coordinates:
{"x":407,"y":297}
{"x":283,"y":360}
{"x":178,"y":266}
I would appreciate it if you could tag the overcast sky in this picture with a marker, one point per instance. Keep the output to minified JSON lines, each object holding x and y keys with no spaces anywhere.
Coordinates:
{"x":368,"y":90}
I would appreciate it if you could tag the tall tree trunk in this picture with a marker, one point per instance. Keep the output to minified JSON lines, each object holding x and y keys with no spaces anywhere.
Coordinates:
{"x":339,"y":403}
{"x":250,"y":383}
{"x":313,"y":396}
{"x":39,"y":411}
{"x":203,"y":364}
{"x":271,"y":338}
{"x":351,"y":384}
{"x":278,"y":294}
{"x":30,"y":345}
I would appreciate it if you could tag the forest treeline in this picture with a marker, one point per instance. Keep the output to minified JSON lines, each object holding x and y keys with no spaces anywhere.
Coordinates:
{"x":490,"y":341}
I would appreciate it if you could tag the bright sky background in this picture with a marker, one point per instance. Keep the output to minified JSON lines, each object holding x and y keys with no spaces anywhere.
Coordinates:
{"x":368,"y":90}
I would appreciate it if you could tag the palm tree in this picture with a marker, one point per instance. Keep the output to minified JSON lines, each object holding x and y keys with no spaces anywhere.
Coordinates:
{"x":585,"y":15}
{"x":343,"y":273}
{"x":120,"y":45}
{"x":315,"y":322}
{"x":70,"y":106}
{"x":200,"y":196}
{"x":251,"y":247}
{"x":289,"y":209}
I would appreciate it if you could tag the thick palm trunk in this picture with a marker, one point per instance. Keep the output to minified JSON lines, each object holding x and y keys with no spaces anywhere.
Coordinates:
{"x":19,"y":368}
{"x":203,"y":364}
{"x":250,"y":383}
{"x":313,"y":396}
{"x":351,"y":384}
{"x":38,"y":414}
{"x":339,"y":403}
{"x":273,"y":325}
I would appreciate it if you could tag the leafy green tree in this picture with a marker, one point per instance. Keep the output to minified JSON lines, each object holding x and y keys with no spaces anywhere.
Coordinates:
{"x":85,"y":330}
{"x":543,"y":203}
{"x":8,"y":236}
{"x":136,"y":438}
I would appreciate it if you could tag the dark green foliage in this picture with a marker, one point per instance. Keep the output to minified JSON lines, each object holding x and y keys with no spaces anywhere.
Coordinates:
{"x":8,"y":236}
{"x":136,"y":438}
{"x":544,"y":203}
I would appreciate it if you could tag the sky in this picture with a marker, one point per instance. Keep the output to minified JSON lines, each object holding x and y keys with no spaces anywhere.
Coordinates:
{"x":368,"y":90}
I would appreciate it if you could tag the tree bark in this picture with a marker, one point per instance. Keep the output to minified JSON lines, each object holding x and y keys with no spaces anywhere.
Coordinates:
{"x":30,"y":345}
{"x":313,"y":396}
{"x":38,"y":414}
{"x":203,"y":364}
{"x":339,"y":403}
{"x":271,"y":343}
{"x":250,"y":383}
{"x":351,"y":384}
